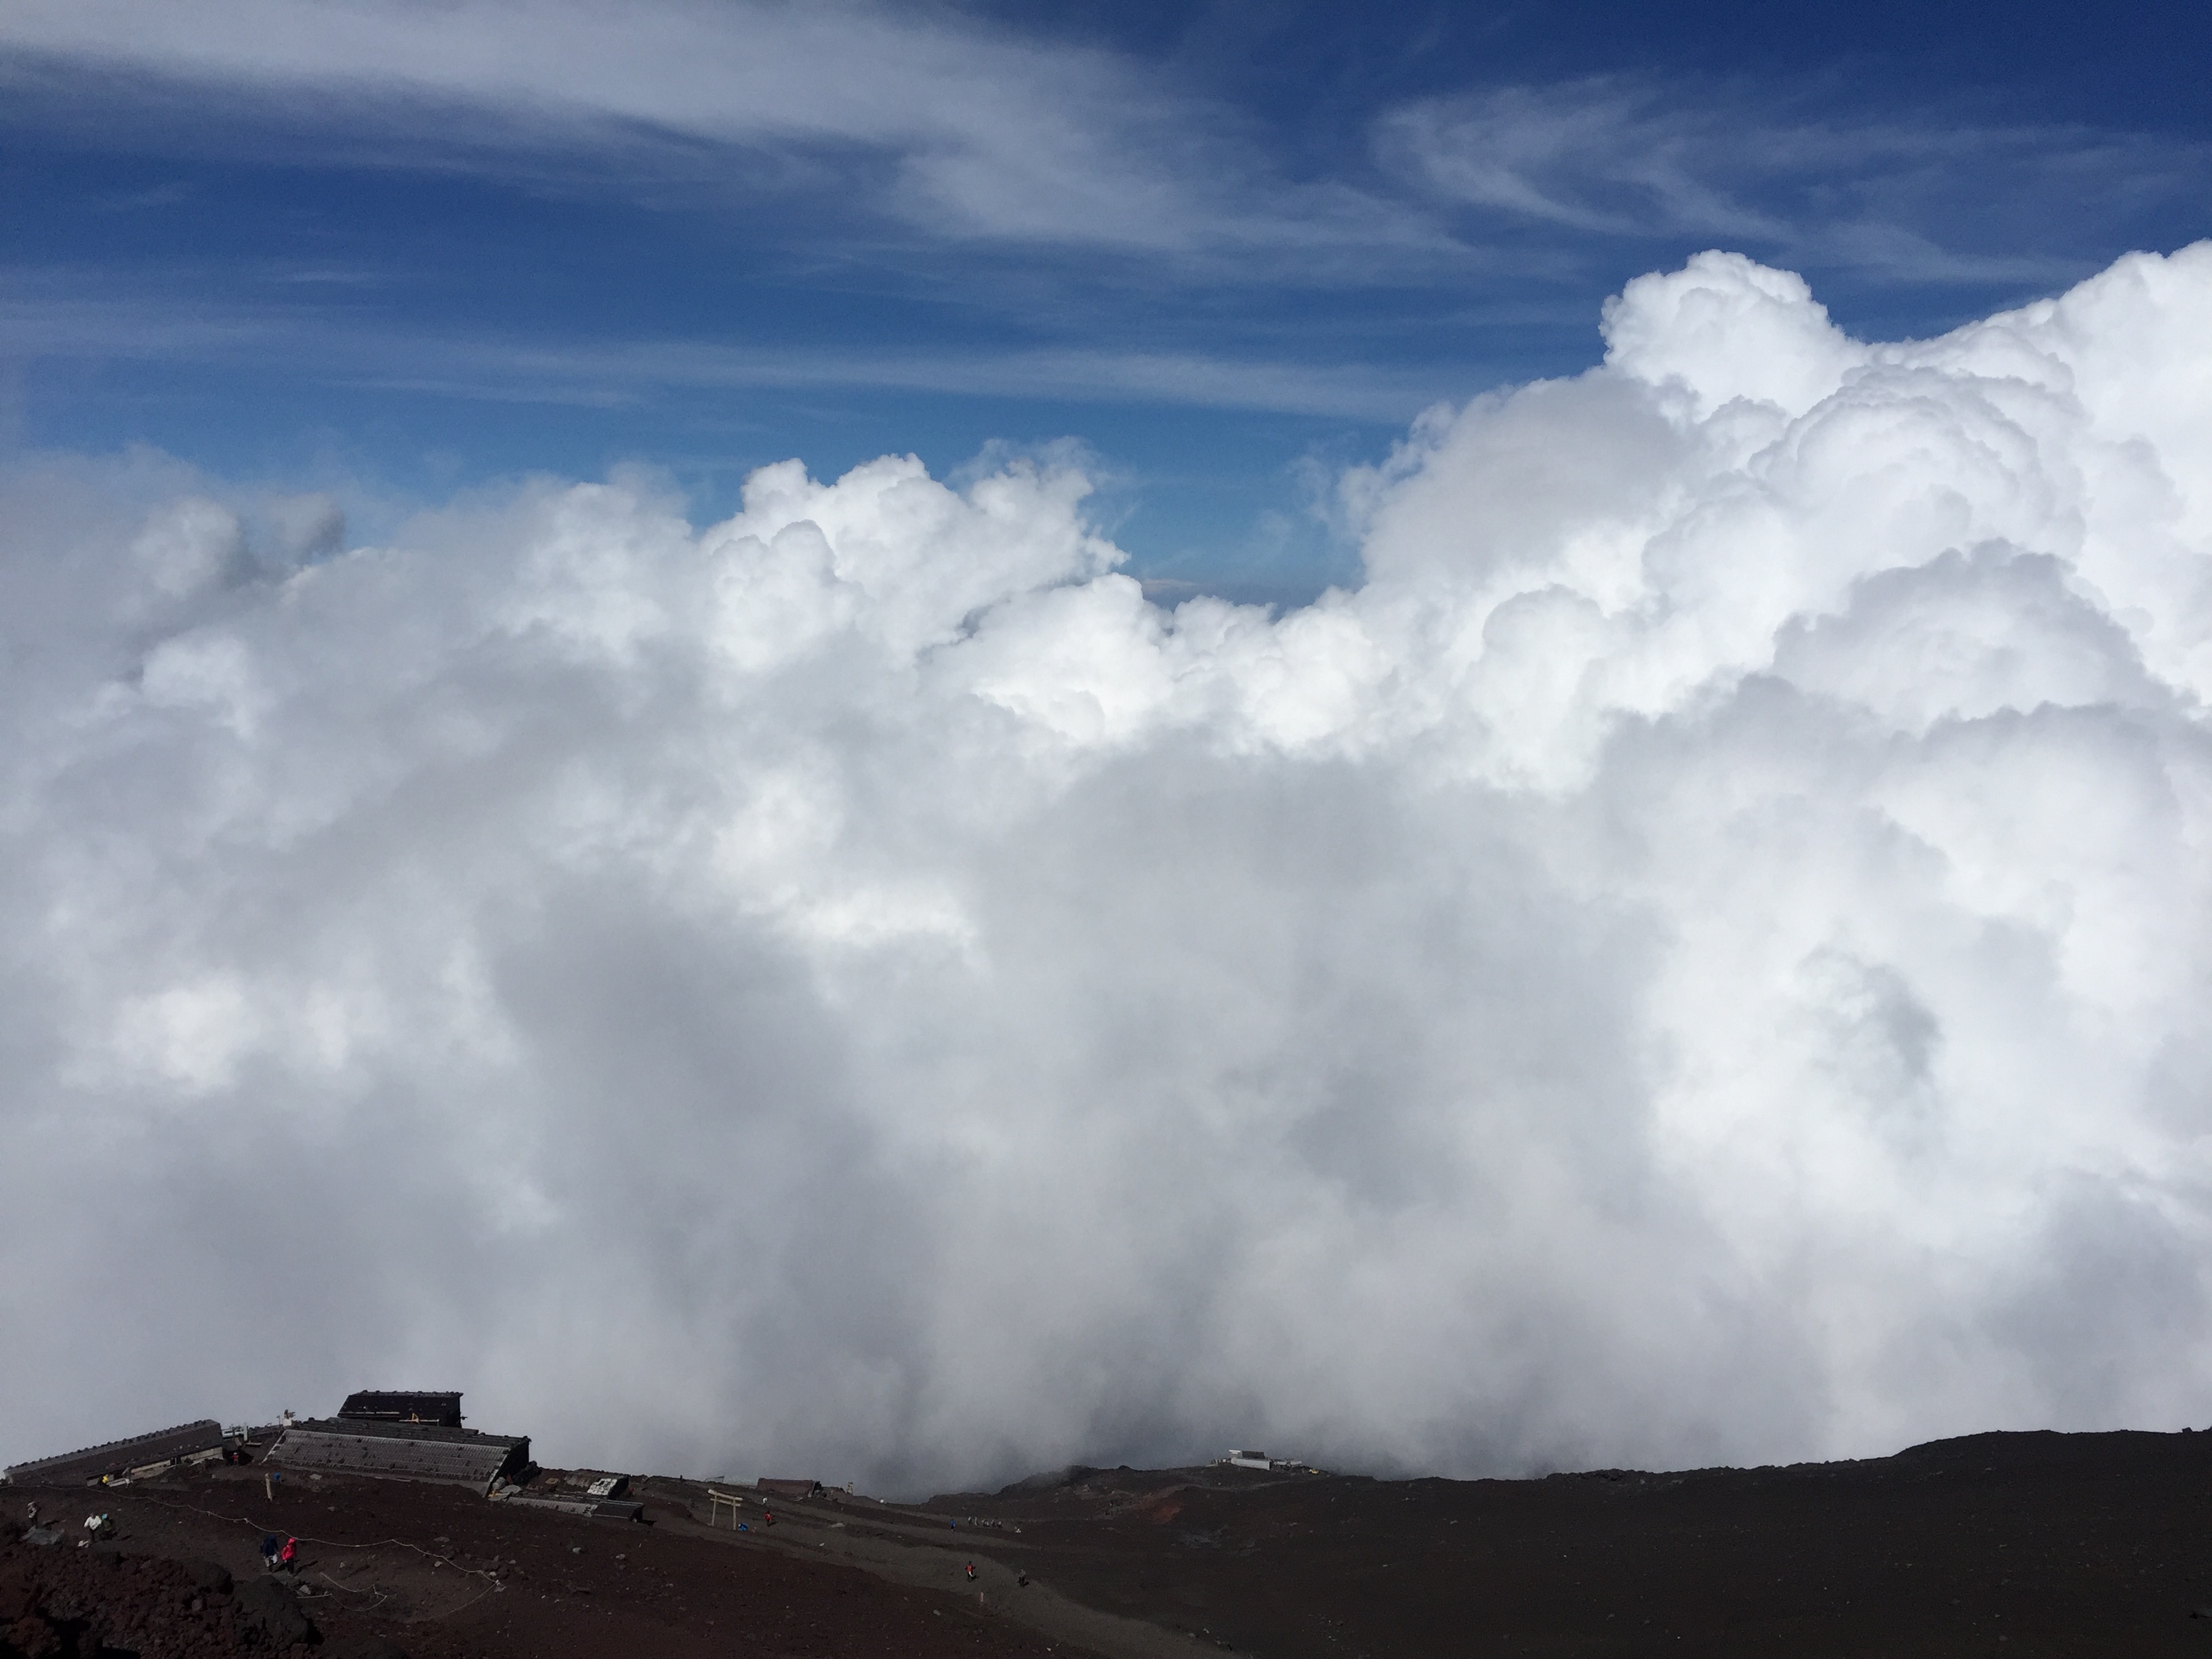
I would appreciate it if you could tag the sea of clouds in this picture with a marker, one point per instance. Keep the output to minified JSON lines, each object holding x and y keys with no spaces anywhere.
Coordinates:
{"x":1703,"y":956}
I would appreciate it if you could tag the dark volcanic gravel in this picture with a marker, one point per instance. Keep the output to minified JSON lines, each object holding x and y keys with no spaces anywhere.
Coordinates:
{"x":2012,"y":1546}
{"x":60,"y":1602}
{"x":2000,"y":1545}
{"x":436,"y":1572}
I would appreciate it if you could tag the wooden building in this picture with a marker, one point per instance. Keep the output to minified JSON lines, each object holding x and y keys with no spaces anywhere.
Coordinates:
{"x":406,"y":1452}
{"x":378,"y":1405}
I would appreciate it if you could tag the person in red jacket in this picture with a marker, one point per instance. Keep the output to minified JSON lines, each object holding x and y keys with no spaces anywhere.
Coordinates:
{"x":288,"y":1559}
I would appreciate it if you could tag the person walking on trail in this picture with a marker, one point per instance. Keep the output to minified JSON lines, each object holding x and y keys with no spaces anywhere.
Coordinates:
{"x":268,"y":1553}
{"x":288,"y":1559}
{"x":971,"y":1569}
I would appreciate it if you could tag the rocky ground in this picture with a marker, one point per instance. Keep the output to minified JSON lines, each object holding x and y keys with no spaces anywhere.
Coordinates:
{"x":2000,"y":1545}
{"x":437,"y":1573}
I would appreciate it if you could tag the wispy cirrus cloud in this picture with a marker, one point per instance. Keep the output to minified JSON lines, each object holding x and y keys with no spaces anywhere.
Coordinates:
{"x":1789,"y":169}
{"x":934,"y":130}
{"x":37,"y":322}
{"x":919,"y":116}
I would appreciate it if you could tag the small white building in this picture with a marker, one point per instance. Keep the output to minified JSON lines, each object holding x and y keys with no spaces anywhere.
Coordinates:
{"x":1249,"y":1460}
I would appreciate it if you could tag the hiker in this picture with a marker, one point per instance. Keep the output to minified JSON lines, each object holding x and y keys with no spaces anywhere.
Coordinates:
{"x":268,"y":1553}
{"x":1023,"y":1579}
{"x":768,"y":1517}
{"x":971,"y":1569}
{"x":287,"y":1558}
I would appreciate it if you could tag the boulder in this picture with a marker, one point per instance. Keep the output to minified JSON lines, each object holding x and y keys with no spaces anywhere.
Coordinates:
{"x":273,"y":1608}
{"x":210,"y":1576}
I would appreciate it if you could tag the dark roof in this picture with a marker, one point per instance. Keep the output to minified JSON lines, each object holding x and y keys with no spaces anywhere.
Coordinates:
{"x":603,"y":1509}
{"x":787,"y":1488}
{"x":403,"y":1406}
{"x":116,"y":1455}
{"x":408,"y":1451}
{"x":368,"y":1428}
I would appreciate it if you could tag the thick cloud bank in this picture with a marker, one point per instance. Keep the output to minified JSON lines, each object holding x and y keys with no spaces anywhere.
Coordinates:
{"x":1704,"y":957}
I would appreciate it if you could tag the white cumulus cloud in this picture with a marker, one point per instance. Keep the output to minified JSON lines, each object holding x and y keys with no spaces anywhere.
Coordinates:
{"x":1700,"y":957}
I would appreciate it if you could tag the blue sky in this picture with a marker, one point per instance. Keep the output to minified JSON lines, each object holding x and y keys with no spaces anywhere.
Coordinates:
{"x":400,"y":249}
